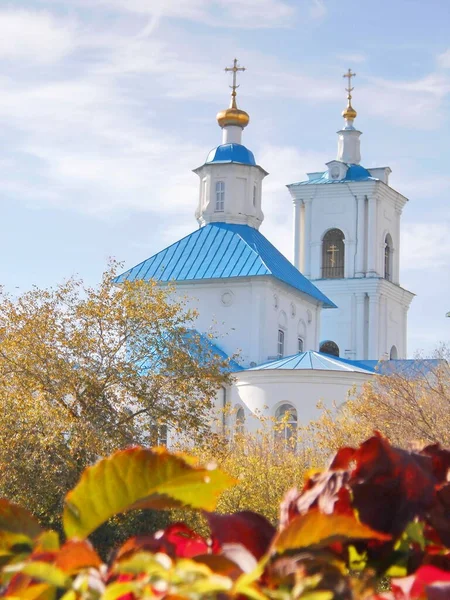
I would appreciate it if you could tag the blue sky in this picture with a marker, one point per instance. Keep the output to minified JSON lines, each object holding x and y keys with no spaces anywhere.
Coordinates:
{"x":107,"y":105}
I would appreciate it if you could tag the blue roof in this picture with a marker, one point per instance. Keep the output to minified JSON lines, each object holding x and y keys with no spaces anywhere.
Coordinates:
{"x":198,"y":345}
{"x":223,"y":251}
{"x":231,"y":153}
{"x":407,"y":367}
{"x":354,"y":173}
{"x":205,"y":347}
{"x":316,"y":361}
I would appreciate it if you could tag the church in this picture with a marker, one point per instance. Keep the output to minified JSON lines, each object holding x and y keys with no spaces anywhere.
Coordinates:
{"x":300,"y":333}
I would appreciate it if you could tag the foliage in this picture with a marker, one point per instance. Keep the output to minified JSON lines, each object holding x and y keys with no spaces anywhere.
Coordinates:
{"x":377,"y":511}
{"x":408,"y":408}
{"x":265,"y":465}
{"x":85,"y":371}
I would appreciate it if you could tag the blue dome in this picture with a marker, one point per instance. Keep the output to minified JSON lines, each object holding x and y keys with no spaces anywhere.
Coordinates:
{"x":231,"y":153}
{"x":357,"y":173}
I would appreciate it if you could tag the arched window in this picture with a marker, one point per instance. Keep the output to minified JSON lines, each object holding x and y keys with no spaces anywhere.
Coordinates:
{"x":220,"y":196}
{"x":330,"y":348}
{"x":301,"y":344}
{"x":280,"y":348}
{"x":393,"y":354}
{"x":286,"y":417}
{"x":254,"y":195}
{"x":240,"y":421}
{"x":333,"y":254}
{"x":388,"y":258}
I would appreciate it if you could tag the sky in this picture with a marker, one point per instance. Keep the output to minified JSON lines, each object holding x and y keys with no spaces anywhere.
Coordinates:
{"x":106,"y":106}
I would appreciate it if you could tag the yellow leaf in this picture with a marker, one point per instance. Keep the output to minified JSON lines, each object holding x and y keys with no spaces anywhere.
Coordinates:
{"x":318,"y":529}
{"x":47,"y":573}
{"x":139,"y":478}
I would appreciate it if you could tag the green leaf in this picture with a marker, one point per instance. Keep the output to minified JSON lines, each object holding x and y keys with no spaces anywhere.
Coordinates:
{"x":47,"y":573}
{"x":116,"y":590}
{"x":317,"y":529}
{"x":139,"y":478}
{"x":15,"y":519}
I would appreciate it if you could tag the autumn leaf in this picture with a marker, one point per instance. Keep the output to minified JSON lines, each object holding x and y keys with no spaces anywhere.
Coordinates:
{"x":316,"y":529}
{"x":76,"y":555}
{"x":139,"y":478}
{"x":15,"y":519}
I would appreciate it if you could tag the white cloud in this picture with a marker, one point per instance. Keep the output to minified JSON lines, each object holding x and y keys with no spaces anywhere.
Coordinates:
{"x":425,"y":246}
{"x":443,"y":59}
{"x":35,"y":36}
{"x":416,"y":103}
{"x":248,"y":14}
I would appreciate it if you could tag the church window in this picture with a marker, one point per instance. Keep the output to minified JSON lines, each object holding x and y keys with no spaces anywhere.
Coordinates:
{"x":240,"y":421}
{"x":254,"y":195}
{"x":333,"y":254}
{"x":280,"y":343}
{"x":329,"y":347}
{"x":388,"y":258}
{"x":300,"y":344}
{"x":393,"y":354}
{"x":286,"y":417}
{"x":220,"y":196}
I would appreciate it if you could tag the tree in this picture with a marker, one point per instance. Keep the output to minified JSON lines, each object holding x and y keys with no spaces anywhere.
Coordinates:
{"x":84,"y":371}
{"x":408,"y":407}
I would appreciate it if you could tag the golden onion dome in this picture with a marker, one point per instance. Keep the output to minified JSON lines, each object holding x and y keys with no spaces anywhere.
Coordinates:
{"x":233,"y":116}
{"x":349,"y":112}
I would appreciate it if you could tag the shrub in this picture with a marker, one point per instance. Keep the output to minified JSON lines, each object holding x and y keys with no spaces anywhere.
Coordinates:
{"x":376,"y":512}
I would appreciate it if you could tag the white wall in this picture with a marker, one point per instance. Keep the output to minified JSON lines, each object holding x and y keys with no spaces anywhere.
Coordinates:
{"x":246,"y":314}
{"x":262,"y":392}
{"x":239,"y":181}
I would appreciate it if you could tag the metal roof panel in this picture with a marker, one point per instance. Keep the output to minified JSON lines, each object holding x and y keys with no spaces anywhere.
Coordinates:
{"x":223,"y":250}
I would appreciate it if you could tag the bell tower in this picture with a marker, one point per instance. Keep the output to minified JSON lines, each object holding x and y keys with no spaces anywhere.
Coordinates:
{"x":347,"y":241}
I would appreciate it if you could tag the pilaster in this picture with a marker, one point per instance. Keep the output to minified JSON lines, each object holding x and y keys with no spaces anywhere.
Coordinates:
{"x":372,"y":237}
{"x":360,"y":236}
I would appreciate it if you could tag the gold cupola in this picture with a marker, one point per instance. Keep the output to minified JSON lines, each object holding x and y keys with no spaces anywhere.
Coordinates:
{"x":233,"y":116}
{"x":349,"y":113}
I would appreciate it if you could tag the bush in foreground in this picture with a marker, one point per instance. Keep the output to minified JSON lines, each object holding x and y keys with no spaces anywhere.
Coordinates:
{"x":377,"y":512}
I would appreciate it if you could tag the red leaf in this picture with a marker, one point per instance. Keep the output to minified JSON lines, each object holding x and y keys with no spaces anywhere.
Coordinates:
{"x":427,"y":582}
{"x":247,"y":528}
{"x":390,"y":486}
{"x":178,"y":540}
{"x":342,"y":459}
{"x":326,"y":491}
{"x":440,"y":459}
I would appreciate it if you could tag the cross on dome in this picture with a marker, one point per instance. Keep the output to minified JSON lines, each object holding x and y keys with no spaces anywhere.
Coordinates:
{"x":233,"y":116}
{"x":349,"y":113}
{"x":235,"y":69}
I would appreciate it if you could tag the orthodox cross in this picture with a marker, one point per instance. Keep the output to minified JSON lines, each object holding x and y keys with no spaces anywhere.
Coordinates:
{"x":349,"y":89}
{"x":234,"y":69}
{"x":333,"y":250}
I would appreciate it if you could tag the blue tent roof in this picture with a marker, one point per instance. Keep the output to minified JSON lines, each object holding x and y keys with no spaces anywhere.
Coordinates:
{"x":316,"y":361}
{"x":222,"y":251}
{"x":231,"y":153}
{"x":354,"y":173}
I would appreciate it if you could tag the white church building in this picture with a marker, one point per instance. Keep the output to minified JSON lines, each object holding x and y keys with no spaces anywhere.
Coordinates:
{"x":304,"y":332}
